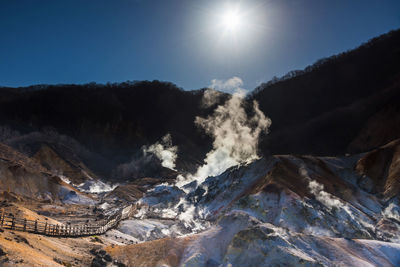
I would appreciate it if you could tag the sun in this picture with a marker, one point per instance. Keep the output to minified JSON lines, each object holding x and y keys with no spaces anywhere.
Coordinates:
{"x":234,"y":26}
{"x":231,"y":20}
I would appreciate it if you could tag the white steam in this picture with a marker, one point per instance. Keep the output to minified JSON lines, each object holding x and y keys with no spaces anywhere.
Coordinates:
{"x":214,"y":92}
{"x":330,"y":202}
{"x":317,"y":190}
{"x":210,"y":97}
{"x":96,"y":186}
{"x":164,"y":151}
{"x":325,"y":198}
{"x":236,"y":136}
{"x":231,"y":85}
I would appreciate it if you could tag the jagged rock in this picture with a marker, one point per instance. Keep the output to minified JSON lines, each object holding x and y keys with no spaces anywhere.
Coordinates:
{"x":2,"y":252}
{"x":101,"y":258}
{"x":163,"y":196}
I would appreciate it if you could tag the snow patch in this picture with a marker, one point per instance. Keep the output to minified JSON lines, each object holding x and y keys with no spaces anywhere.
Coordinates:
{"x":64,"y":179}
{"x":392,"y":212}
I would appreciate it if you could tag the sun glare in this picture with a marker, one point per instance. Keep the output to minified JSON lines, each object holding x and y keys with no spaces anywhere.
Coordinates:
{"x":234,"y":26}
{"x":231,"y":20}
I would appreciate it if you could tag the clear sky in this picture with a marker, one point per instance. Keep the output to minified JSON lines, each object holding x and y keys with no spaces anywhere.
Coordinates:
{"x":187,"y":42}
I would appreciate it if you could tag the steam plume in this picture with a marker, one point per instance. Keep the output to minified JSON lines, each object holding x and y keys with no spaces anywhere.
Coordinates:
{"x":317,"y":190}
{"x":210,"y":97}
{"x":164,"y":151}
{"x":322,"y":196}
{"x":236,"y":136}
{"x":231,"y":85}
{"x":213,"y":93}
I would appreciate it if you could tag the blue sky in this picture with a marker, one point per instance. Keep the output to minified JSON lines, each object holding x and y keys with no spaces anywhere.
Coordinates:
{"x":184,"y":42}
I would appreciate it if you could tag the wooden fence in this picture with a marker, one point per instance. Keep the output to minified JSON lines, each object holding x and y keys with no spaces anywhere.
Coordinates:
{"x":8,"y":221}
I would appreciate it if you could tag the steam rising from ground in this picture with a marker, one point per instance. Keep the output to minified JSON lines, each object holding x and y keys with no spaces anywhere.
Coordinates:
{"x":235,"y":128}
{"x":96,"y":186}
{"x":317,"y":190}
{"x":325,"y":198}
{"x":236,"y":136}
{"x":231,"y":86}
{"x":333,"y":203}
{"x":210,"y":97}
{"x":164,"y":151}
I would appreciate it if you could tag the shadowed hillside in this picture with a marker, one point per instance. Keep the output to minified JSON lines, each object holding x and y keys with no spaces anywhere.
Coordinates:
{"x":333,"y":106}
{"x":105,"y":125}
{"x":347,"y":103}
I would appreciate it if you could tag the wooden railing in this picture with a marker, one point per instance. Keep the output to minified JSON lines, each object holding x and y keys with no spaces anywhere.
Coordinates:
{"x":8,"y":221}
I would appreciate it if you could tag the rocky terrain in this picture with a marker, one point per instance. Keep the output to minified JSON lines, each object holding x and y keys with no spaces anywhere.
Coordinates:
{"x":277,"y":211}
{"x":304,"y":171}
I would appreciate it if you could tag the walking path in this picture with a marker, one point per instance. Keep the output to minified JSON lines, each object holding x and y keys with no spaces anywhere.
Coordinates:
{"x":65,"y":230}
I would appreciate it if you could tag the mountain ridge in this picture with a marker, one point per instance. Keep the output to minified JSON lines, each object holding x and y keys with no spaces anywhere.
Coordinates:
{"x":107,"y":126}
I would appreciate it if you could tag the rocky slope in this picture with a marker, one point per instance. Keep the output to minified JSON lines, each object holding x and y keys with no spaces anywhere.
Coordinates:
{"x":277,"y":211}
{"x":26,"y":178}
{"x":283,"y":210}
